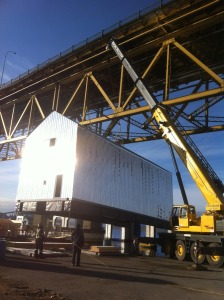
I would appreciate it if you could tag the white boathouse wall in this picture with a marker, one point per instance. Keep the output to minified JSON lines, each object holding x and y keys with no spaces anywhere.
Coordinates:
{"x":42,"y":161}
{"x":93,"y":169}
{"x":111,"y":175}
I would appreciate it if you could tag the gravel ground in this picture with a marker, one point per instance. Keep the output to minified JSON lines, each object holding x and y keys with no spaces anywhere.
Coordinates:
{"x":12,"y":289}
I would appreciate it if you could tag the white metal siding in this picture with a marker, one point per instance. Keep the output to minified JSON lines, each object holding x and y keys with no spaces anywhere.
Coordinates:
{"x":111,"y":175}
{"x":42,"y":163}
{"x":93,"y":169}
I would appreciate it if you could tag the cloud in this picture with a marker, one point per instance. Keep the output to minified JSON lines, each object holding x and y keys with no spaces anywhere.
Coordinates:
{"x":20,"y":64}
{"x":16,"y":65}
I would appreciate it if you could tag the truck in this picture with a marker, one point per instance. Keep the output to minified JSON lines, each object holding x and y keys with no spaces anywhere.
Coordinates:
{"x":201,"y":237}
{"x":9,"y":228}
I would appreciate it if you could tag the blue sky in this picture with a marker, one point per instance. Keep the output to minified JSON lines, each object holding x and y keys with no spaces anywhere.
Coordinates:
{"x":40,"y":29}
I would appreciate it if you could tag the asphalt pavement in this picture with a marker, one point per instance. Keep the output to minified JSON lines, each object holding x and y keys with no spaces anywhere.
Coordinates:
{"x":116,"y":277}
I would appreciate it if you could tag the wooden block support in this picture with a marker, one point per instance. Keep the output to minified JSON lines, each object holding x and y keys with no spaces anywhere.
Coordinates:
{"x":105,"y":249}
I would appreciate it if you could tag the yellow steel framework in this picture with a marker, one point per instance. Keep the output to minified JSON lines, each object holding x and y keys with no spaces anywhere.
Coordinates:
{"x":178,"y":49}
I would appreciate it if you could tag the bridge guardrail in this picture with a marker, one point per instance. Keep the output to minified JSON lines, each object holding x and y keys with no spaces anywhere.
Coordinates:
{"x":87,"y":41}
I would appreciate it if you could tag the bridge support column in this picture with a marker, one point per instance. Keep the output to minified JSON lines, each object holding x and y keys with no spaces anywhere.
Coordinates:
{"x":123,"y":234}
{"x":137,"y":229}
{"x":80,"y":222}
{"x":149,"y":231}
{"x":107,"y":235}
{"x":128,"y":234}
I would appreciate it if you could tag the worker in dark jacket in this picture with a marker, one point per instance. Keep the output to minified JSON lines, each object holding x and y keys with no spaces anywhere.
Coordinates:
{"x":39,"y":241}
{"x":78,"y":242}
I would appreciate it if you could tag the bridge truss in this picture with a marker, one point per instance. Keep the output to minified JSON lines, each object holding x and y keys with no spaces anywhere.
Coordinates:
{"x":177,"y":46}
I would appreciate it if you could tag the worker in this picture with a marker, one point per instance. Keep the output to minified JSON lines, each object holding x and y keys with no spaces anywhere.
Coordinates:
{"x":77,"y":244}
{"x":8,"y":234}
{"x":197,"y":250}
{"x":39,"y":241}
{"x":136,"y":245}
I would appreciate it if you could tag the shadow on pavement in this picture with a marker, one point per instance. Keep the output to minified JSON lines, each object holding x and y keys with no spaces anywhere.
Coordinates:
{"x":104,"y":272}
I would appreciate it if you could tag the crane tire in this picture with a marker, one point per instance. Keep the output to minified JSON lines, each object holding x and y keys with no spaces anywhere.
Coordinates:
{"x":201,"y":257}
{"x":215,"y":260}
{"x":180,"y":250}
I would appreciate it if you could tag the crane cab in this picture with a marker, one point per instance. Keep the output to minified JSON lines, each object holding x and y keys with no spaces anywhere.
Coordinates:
{"x":183,"y":216}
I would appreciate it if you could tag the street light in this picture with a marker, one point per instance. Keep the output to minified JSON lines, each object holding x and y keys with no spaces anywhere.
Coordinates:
{"x":5,"y":62}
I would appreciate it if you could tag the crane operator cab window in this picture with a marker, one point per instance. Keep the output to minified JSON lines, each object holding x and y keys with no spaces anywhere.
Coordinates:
{"x":187,"y":216}
{"x":184,"y":216}
{"x":183,"y":212}
{"x":192,"y":214}
{"x":175,"y":216}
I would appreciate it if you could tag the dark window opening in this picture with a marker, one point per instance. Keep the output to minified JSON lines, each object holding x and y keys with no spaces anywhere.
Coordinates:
{"x":58,"y":186}
{"x":52,"y":142}
{"x":58,"y":222}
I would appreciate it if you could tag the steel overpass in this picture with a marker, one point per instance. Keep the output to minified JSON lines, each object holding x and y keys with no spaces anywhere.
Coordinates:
{"x":177,"y":46}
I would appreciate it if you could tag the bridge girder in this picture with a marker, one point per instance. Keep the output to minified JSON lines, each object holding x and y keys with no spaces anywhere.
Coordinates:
{"x":178,"y":49}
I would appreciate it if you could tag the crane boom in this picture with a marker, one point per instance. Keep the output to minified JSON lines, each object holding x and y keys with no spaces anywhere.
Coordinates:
{"x":202,"y":173}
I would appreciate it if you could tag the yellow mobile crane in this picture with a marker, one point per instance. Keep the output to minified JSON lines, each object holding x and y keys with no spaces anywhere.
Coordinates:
{"x":187,"y":229}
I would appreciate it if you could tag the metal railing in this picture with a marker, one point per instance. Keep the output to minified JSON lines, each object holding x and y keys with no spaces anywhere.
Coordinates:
{"x":212,"y":174}
{"x":87,"y":41}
